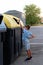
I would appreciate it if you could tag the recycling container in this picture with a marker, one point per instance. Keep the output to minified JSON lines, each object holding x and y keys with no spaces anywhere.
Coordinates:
{"x":12,"y":39}
{"x":2,"y":32}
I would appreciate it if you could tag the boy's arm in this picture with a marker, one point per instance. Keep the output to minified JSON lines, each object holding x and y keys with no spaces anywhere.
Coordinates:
{"x":32,"y":36}
{"x":21,"y":25}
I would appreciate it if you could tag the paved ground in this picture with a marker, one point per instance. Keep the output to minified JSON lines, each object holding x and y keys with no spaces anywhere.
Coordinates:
{"x":38,"y":31}
{"x":36,"y":47}
{"x":37,"y":52}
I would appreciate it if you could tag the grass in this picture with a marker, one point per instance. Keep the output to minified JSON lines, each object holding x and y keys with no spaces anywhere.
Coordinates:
{"x":37,"y":25}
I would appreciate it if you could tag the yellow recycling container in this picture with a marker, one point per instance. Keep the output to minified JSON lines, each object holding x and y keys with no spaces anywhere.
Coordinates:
{"x":11,"y":21}
{"x":12,"y":38}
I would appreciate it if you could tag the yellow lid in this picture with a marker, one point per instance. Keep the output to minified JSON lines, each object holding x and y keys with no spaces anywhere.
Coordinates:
{"x":10,"y":22}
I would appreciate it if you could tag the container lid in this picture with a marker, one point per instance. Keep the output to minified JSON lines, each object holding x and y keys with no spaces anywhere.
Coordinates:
{"x":11,"y":21}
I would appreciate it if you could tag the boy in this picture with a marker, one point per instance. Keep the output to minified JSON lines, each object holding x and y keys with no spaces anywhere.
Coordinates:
{"x":26,"y":35}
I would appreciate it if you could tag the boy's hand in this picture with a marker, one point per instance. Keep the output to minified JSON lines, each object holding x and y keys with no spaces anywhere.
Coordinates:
{"x":33,"y":36}
{"x":18,"y":22}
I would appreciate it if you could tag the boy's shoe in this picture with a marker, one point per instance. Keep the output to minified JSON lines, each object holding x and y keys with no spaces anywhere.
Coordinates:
{"x":28,"y":58}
